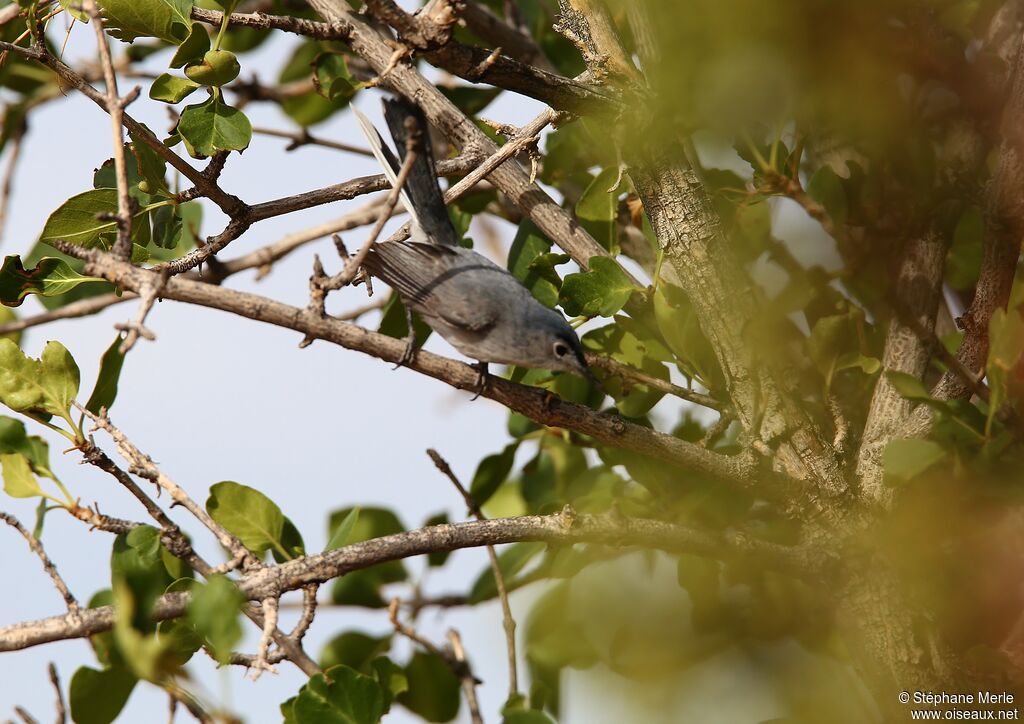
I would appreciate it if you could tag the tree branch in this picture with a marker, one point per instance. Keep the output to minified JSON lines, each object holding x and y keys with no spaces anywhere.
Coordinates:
{"x":565,"y":528}
{"x":549,"y":217}
{"x":51,"y":570}
{"x":537,"y":404}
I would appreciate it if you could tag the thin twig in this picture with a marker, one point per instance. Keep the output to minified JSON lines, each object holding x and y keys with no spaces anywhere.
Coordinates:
{"x":309,"y":606}
{"x":468,"y":682}
{"x":51,"y":570}
{"x":8,"y":179}
{"x":807,"y":562}
{"x":411,"y":634}
{"x":137,"y":327}
{"x":508,"y":622}
{"x":176,"y":543}
{"x":142,"y":465}
{"x":616,"y":368}
{"x":269,"y":625}
{"x":525,"y":138}
{"x":353,"y":264}
{"x":115,"y":107}
{"x":25,"y":717}
{"x":305,"y":138}
{"x":62,"y":714}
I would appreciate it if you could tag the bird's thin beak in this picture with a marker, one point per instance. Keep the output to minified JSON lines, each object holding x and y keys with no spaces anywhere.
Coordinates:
{"x":589,"y":376}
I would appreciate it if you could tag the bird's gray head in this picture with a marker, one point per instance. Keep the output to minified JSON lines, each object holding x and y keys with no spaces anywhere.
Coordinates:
{"x":553,"y":344}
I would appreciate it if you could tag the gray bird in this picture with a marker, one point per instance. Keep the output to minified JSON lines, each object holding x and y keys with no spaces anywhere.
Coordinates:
{"x":476,"y":305}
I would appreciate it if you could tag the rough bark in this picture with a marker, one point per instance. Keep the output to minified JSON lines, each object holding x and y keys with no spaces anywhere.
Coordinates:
{"x":907,"y":350}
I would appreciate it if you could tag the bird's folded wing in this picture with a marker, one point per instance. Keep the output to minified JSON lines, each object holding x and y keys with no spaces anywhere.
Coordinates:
{"x":437,"y":279}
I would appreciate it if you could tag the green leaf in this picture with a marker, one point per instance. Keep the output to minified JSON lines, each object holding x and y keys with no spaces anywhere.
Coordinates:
{"x":362,"y":588}
{"x":680,"y":328}
{"x":308,"y":109}
{"x":214,"y":126}
{"x":826,"y":188}
{"x":152,"y":170}
{"x":833,"y":346}
{"x":470,"y":100}
{"x":171,"y":89}
{"x":77,"y":221}
{"x":598,"y":207}
{"x":74,"y":9}
{"x":525,"y":716}
{"x":138,"y":576}
{"x":192,"y":49}
{"x":168,"y":20}
{"x":217,"y":68}
{"x":554,"y":635}
{"x":97,"y":697}
{"x":19,"y":482}
{"x":350,"y":698}
{"x":181,"y":639}
{"x":393,"y":322}
{"x":492,"y":471}
{"x":617,"y":342}
{"x":354,"y":649}
{"x":49,"y":278}
{"x":105,"y":391}
{"x":291,"y":541}
{"x":1006,"y":347}
{"x":510,"y":561}
{"x":437,"y":558}
{"x":907,"y":385}
{"x":248,"y":514}
{"x":213,"y":611}
{"x":334,"y":81}
{"x":13,"y":439}
{"x":433,"y":689}
{"x":8,"y":315}
{"x":342,"y":533}
{"x":963,"y":261}
{"x":391,"y":677}
{"x":903,"y":459}
{"x":602,"y":291}
{"x":38,"y":387}
{"x":529,"y":245}
{"x":228,"y":6}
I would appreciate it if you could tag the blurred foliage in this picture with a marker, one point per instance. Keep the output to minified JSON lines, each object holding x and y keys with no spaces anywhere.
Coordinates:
{"x":873,"y":123}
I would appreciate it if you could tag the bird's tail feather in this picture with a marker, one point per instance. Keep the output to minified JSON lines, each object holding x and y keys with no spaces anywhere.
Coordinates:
{"x":421,"y":183}
{"x":388,"y":162}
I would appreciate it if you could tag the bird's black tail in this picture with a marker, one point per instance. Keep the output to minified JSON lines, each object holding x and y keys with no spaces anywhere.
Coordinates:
{"x":421,"y":186}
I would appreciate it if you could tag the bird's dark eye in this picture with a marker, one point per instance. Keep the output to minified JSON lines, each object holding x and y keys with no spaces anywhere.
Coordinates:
{"x":560,"y":349}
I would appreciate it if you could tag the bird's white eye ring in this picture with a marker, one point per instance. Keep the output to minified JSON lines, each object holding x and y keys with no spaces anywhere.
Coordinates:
{"x":560,"y":349}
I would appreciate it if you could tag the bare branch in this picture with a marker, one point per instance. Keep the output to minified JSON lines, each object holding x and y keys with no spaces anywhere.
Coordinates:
{"x":918,"y":291}
{"x":8,"y":178}
{"x":305,"y":138}
{"x":482,"y":22}
{"x":269,"y":625}
{"x":62,"y":714}
{"x":142,"y":465}
{"x":565,"y":528}
{"x":353,"y":264}
{"x":537,"y":404}
{"x":553,"y":220}
{"x":228,"y":203}
{"x":632,"y":374}
{"x":51,"y":570}
{"x":461,"y":60}
{"x":468,"y":681}
{"x":509,"y":623}
{"x":115,"y":106}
